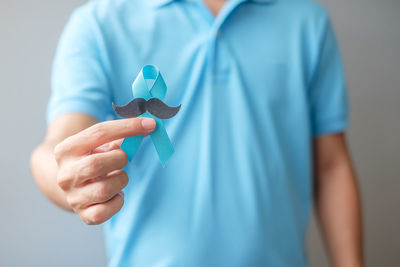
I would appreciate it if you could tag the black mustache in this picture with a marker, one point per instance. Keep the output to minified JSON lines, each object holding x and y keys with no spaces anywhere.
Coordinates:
{"x":138,"y":106}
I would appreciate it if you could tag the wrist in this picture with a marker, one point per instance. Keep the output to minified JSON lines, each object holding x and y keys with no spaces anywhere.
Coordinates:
{"x":352,"y":263}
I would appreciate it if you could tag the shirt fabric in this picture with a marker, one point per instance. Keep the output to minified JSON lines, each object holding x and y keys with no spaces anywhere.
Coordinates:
{"x":257,"y":84}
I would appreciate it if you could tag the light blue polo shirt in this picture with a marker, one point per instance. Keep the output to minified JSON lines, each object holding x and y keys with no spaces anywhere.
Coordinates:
{"x":257,"y":84}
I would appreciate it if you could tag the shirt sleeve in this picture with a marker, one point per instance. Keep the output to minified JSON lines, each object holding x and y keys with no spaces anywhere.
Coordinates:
{"x":329,"y":100}
{"x":79,"y":82}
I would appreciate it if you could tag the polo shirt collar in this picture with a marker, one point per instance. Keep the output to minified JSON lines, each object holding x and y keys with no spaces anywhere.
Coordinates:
{"x":159,"y":3}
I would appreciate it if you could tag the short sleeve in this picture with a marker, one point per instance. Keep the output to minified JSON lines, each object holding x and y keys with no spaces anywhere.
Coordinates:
{"x":79,"y":81}
{"x":328,"y":98}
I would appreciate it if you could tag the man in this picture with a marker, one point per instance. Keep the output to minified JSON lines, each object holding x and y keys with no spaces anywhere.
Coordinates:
{"x":261,"y":129}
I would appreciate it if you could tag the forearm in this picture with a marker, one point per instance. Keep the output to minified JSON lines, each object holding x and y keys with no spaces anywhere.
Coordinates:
{"x":44,"y":169}
{"x":339,"y":213}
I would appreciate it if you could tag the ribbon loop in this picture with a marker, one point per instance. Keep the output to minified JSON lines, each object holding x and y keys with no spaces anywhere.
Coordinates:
{"x":159,"y":136}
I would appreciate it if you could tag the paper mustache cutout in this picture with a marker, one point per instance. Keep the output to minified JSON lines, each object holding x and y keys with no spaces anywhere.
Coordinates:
{"x":147,"y":102}
{"x":154,"y":106}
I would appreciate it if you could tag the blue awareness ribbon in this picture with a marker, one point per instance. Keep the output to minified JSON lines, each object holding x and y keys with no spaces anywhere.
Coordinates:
{"x":159,"y":136}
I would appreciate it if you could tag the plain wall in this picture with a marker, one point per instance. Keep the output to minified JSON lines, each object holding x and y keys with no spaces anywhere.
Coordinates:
{"x":33,"y":232}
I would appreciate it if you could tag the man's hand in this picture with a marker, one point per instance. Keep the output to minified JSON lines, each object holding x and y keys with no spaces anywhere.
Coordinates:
{"x":89,"y":168}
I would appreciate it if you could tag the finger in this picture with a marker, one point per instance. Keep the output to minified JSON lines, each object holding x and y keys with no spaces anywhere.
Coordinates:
{"x":100,"y":213}
{"x":101,"y":133}
{"x":99,"y":164}
{"x":108,"y":146}
{"x":98,"y":191}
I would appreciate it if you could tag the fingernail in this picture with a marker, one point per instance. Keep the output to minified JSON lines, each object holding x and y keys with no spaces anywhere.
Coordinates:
{"x":148,"y":124}
{"x":122,"y":194}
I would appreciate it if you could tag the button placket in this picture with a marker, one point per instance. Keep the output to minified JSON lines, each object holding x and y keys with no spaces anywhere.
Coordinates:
{"x":218,"y":58}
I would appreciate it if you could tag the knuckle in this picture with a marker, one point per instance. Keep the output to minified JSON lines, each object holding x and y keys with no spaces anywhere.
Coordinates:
{"x":72,"y":202}
{"x":85,"y":220}
{"x":96,"y":217}
{"x":58,"y":151}
{"x":123,"y":157}
{"x":93,"y":166}
{"x":102,"y":190}
{"x":98,"y":131}
{"x":120,"y":203}
{"x":124,"y":179}
{"x":63,"y":179}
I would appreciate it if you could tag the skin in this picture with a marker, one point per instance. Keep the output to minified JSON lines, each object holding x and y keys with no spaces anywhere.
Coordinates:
{"x":337,"y":201}
{"x":214,"y":5}
{"x":78,"y":166}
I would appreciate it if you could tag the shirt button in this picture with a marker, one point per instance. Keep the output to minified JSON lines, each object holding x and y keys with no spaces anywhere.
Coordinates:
{"x":218,"y":33}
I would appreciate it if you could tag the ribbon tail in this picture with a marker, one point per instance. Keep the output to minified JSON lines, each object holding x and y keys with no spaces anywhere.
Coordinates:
{"x":159,"y":136}
{"x":161,"y":142}
{"x":130,"y":145}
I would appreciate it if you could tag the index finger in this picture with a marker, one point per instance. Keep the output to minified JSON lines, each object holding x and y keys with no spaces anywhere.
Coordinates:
{"x":104,"y":132}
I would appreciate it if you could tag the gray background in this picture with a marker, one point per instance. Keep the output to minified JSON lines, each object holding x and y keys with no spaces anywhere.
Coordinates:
{"x":35,"y":233}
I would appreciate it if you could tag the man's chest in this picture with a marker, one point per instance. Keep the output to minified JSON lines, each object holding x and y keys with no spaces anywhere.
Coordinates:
{"x":250,"y":49}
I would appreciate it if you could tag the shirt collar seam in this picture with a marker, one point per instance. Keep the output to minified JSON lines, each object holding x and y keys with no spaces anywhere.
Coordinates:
{"x":161,"y":3}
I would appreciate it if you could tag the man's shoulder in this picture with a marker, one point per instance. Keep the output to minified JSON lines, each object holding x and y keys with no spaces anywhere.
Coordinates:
{"x":306,"y":10}
{"x":102,"y":10}
{"x":309,"y":7}
{"x":308,"y":15}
